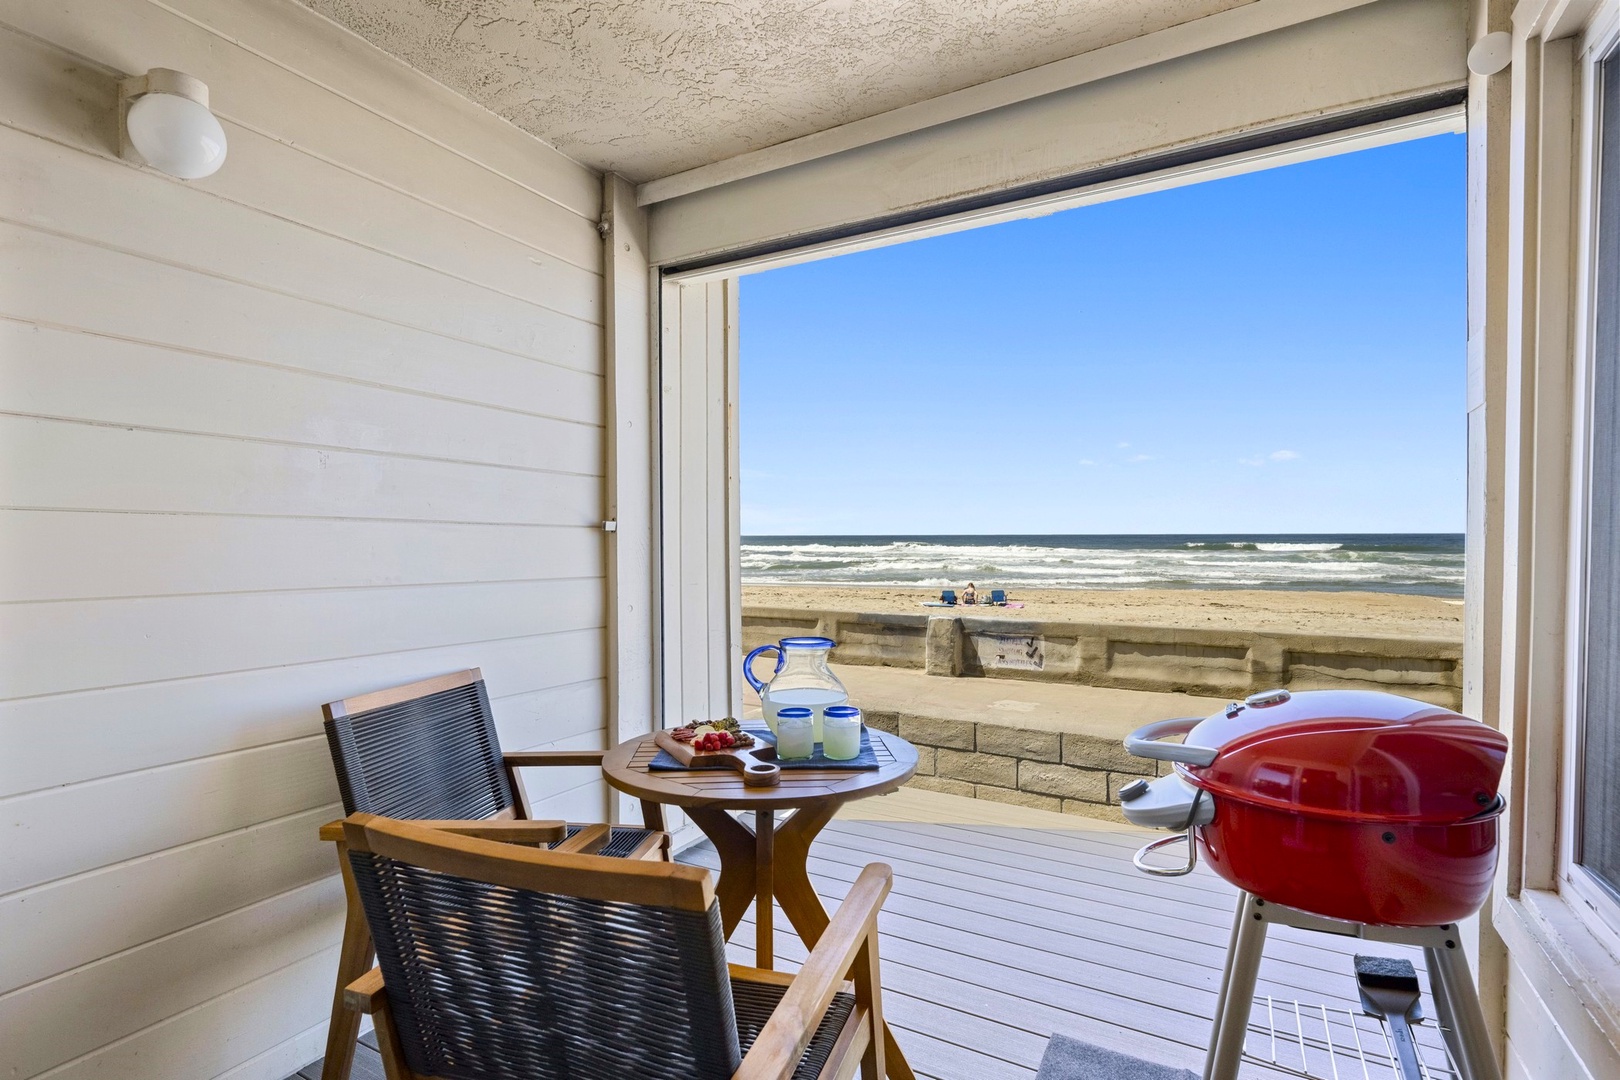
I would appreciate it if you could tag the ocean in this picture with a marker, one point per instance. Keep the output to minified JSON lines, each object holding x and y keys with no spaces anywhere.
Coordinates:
{"x":1429,"y":564}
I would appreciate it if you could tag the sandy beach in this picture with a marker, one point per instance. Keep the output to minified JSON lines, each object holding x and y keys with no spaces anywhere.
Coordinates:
{"x":1385,"y":614}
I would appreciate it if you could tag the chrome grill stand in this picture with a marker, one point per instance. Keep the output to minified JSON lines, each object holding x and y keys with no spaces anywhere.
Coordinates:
{"x":1451,"y":986}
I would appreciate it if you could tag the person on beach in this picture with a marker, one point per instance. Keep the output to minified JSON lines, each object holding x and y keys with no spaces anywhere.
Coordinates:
{"x":969,"y":595}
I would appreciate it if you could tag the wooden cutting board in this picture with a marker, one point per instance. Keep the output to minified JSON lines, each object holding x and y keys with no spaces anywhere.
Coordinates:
{"x":757,"y":763}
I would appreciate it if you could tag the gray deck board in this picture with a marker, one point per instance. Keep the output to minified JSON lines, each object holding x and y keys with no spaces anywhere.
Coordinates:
{"x":996,"y":937}
{"x":367,"y":1066}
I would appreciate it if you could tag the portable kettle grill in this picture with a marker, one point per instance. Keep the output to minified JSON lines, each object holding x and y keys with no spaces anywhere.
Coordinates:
{"x":1349,"y":812}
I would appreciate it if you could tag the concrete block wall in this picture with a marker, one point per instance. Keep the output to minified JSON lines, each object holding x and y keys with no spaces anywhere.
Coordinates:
{"x":1215,"y":662}
{"x":1063,"y":772}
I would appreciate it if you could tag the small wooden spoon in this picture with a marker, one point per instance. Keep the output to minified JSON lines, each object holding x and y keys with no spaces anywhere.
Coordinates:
{"x":757,"y":763}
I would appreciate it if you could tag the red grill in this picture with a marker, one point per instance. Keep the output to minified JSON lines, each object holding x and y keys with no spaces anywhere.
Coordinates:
{"x":1353,"y":805}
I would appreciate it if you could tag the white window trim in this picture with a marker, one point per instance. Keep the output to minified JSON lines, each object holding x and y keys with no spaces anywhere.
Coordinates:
{"x":1561,"y":929}
{"x":1597,"y":909}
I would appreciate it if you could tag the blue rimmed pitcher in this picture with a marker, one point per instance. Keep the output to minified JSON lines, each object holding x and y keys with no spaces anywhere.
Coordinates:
{"x":802,"y":677}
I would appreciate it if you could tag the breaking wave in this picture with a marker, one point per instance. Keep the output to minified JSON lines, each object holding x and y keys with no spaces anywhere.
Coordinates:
{"x":1430,"y":564}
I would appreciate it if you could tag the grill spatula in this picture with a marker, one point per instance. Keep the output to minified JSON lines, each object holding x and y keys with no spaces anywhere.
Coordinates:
{"x":1389,"y":988}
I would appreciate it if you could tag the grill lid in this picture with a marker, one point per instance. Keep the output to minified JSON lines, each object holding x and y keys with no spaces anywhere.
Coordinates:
{"x":1353,"y":754}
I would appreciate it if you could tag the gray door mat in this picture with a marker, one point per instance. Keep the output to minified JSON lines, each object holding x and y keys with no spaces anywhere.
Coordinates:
{"x":1071,"y":1059}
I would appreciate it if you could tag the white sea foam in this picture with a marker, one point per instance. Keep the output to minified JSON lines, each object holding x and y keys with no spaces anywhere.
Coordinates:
{"x":1394,"y":563}
{"x":1299,"y":547}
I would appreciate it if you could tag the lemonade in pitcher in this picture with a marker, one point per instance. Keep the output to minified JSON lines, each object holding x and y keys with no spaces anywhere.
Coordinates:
{"x":802,"y":678}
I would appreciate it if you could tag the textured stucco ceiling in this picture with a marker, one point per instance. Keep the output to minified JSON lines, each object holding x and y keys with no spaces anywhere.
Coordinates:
{"x":653,"y":87}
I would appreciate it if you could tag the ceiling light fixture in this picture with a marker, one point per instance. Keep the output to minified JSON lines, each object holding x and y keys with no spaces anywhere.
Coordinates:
{"x":164,"y":122}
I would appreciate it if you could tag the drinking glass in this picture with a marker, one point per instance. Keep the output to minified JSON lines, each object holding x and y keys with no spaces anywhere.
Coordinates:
{"x":841,"y":732}
{"x":794,"y":733}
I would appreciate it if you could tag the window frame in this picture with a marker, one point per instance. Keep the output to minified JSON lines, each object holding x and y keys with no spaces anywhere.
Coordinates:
{"x":1589,"y":899}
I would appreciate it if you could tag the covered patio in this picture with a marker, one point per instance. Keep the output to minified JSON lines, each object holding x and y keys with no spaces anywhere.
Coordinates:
{"x":418,"y":355}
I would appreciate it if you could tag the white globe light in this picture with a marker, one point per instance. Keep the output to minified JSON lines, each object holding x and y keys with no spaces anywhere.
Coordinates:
{"x":1491,"y":53}
{"x":176,"y":135}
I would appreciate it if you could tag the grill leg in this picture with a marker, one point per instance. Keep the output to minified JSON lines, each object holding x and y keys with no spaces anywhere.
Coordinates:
{"x":1238,"y":916}
{"x":1237,"y":992}
{"x":1457,"y":1008}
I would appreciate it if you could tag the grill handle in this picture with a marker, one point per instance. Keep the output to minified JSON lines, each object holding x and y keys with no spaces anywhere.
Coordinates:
{"x":1144,"y":742}
{"x":1139,"y":860}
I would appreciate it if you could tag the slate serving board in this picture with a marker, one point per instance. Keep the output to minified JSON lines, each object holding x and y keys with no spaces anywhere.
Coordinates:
{"x":866,"y":760}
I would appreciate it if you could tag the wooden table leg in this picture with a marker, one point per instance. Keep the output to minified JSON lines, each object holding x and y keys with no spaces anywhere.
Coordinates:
{"x":354,"y":960}
{"x":764,"y":892}
{"x":735,"y":845}
{"x":803,"y":907}
{"x":652,"y":815}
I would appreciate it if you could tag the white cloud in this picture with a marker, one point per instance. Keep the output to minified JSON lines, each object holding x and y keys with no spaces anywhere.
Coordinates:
{"x":1276,"y":455}
{"x":1140,"y":457}
{"x":1124,"y":445}
{"x":1087,"y":462}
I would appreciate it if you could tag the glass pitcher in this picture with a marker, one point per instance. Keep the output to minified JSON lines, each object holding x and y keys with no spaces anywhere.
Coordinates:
{"x":802,"y":677}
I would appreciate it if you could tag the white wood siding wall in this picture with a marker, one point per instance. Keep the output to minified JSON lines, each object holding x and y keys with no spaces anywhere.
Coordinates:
{"x":327,"y":421}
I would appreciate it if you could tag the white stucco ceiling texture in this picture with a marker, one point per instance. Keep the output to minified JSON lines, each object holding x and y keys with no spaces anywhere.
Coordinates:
{"x":648,"y":88}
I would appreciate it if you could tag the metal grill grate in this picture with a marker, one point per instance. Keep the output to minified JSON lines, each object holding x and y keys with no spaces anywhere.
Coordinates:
{"x":1318,"y":1042}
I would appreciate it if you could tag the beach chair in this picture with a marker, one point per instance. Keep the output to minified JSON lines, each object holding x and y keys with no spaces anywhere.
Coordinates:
{"x":948,"y":596}
{"x":428,"y":750}
{"x":498,"y":962}
{"x":998,"y":597}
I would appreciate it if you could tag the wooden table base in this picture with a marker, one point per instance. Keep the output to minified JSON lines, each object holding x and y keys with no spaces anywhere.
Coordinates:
{"x":773,"y":860}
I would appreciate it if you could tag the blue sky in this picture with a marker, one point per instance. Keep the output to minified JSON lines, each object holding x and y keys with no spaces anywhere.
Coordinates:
{"x":1276,"y":352}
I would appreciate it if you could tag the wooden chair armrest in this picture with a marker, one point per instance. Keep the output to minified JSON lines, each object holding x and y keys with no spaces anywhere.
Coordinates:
{"x":588,"y":841}
{"x":775,"y":1054}
{"x":529,"y":759}
{"x":744,"y":973}
{"x":506,"y":830}
{"x":365,"y":994}
{"x":503,"y":829}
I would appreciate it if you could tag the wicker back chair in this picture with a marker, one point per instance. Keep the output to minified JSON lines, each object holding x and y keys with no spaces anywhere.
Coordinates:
{"x":429,"y":751}
{"x":499,"y":962}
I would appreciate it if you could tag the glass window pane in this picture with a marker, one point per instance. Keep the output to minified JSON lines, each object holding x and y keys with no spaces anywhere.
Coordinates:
{"x":1600,"y":782}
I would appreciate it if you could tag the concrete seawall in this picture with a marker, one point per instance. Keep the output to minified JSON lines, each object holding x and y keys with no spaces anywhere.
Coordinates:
{"x":1215,"y":662}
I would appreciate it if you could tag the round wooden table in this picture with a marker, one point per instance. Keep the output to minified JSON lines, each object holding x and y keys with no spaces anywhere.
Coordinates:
{"x":770,"y":860}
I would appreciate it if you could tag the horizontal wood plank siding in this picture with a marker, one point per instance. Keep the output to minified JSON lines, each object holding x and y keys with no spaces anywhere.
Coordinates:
{"x":330,"y":420}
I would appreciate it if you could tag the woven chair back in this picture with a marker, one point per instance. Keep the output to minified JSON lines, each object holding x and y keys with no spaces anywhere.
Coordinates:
{"x":433,"y":755}
{"x":489,"y":980}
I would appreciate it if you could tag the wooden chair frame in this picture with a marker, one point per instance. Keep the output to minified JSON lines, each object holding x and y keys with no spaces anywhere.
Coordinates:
{"x":511,"y":825}
{"x":846,"y":953}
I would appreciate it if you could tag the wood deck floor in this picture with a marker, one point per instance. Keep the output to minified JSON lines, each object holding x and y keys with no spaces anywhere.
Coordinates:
{"x":998,"y":935}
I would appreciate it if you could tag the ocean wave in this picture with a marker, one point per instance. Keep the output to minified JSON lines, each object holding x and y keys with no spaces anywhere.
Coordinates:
{"x":1256,"y":545}
{"x":1298,"y":547}
{"x":1387,"y":562}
